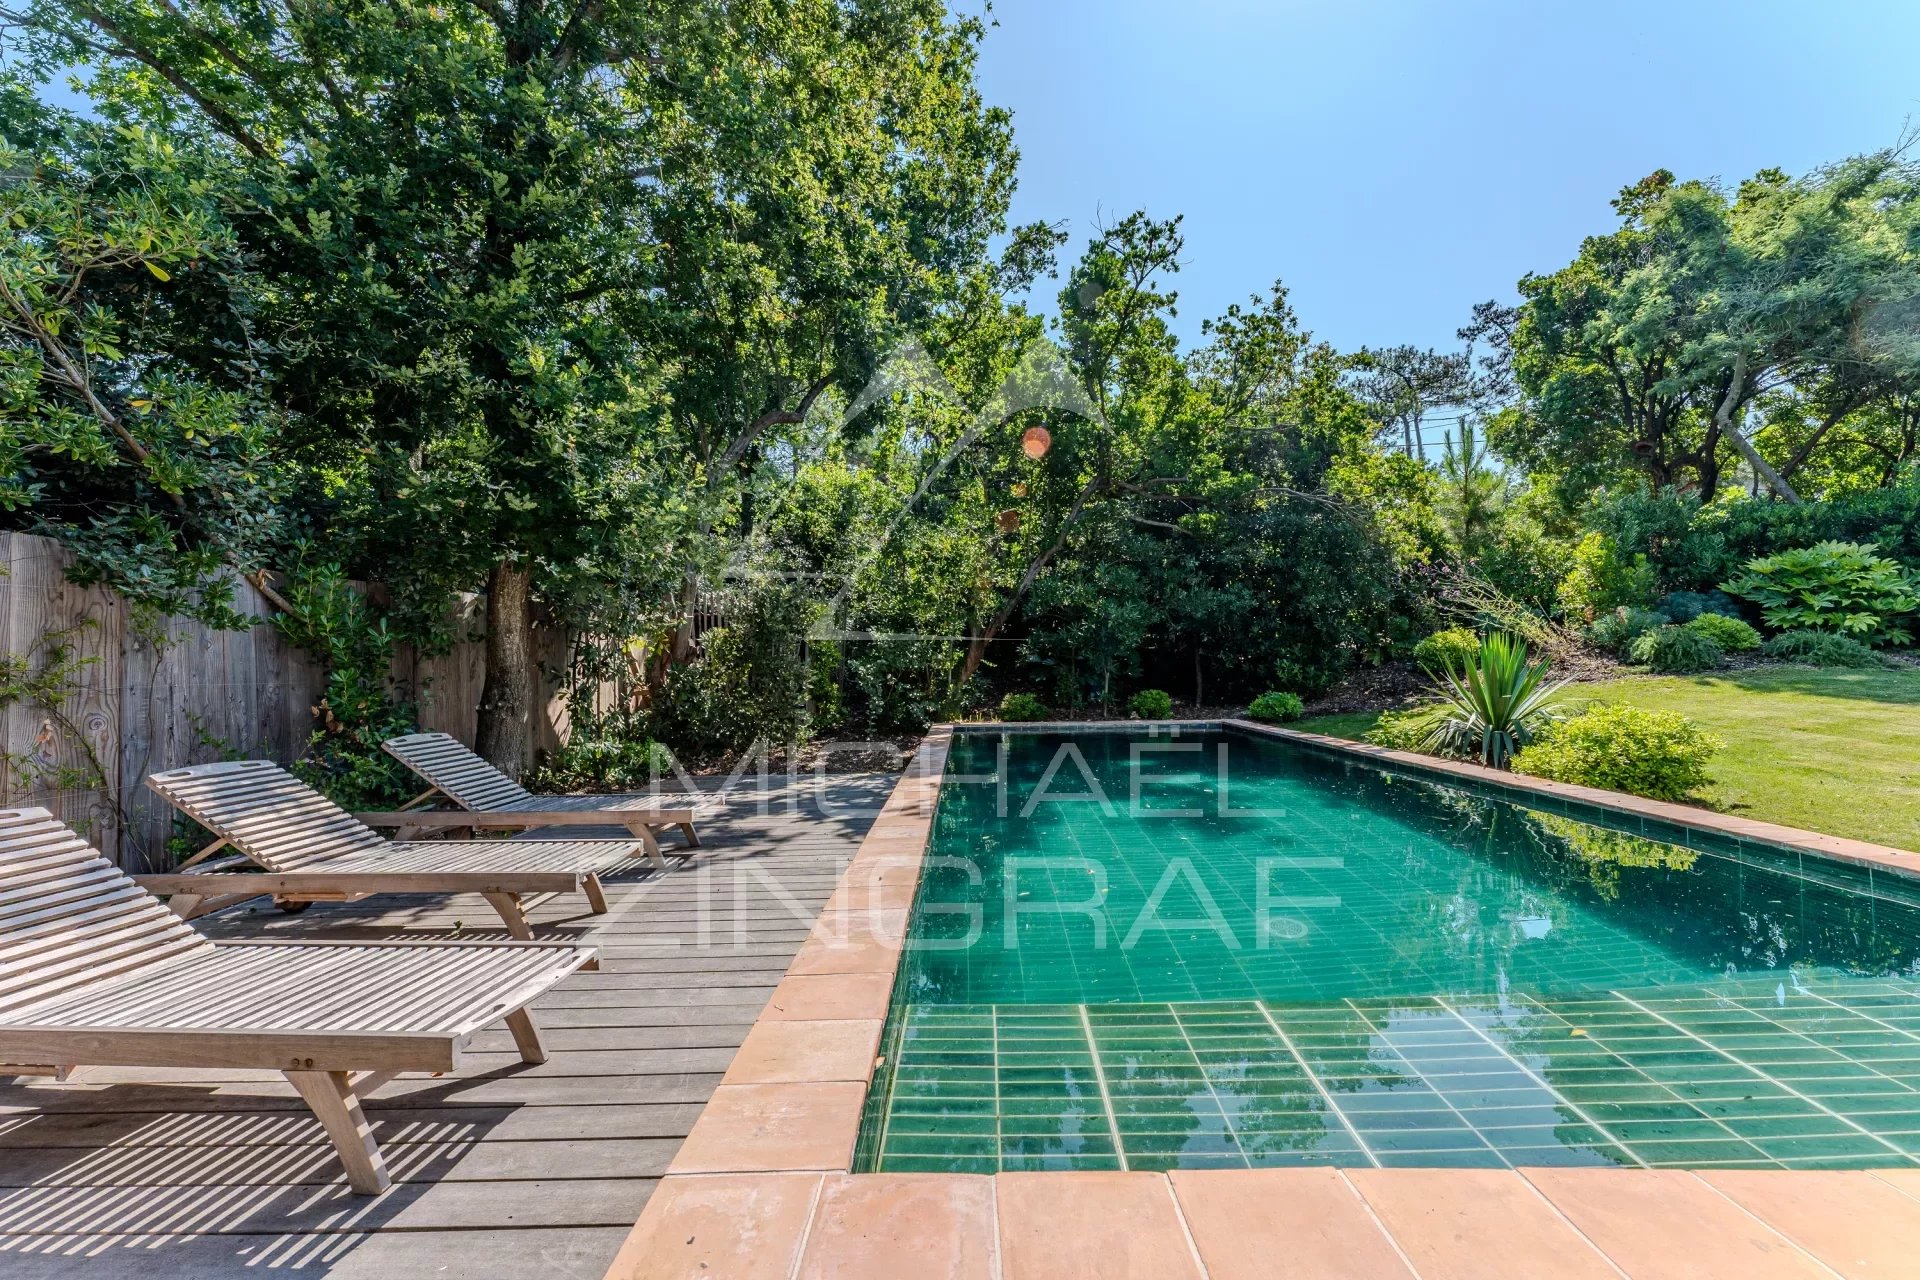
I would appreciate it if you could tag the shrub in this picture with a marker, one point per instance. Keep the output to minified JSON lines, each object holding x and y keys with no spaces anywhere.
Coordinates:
{"x":1454,"y":647}
{"x":1685,"y":606}
{"x":1618,"y":628}
{"x":749,"y":683}
{"x":602,"y":765}
{"x":1658,"y":754}
{"x":1492,"y":706}
{"x":1151,"y":704}
{"x":1832,"y":586}
{"x":1820,"y":649}
{"x":1407,"y":730}
{"x":1730,"y":634}
{"x":1273,"y":707}
{"x":1603,"y":578}
{"x":1022,"y":707}
{"x":1677,"y":650}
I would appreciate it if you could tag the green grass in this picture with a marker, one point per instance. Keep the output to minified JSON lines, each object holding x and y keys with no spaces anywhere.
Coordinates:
{"x":1828,"y":750}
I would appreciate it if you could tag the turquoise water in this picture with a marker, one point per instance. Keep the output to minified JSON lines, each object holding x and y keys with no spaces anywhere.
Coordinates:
{"x":1224,"y":951}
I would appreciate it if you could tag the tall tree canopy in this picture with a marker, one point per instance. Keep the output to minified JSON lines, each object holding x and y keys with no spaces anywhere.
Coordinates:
{"x":1645,"y":354}
{"x":538,"y":281}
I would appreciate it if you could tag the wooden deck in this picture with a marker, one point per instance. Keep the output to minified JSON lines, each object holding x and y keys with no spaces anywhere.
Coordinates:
{"x":502,"y":1171}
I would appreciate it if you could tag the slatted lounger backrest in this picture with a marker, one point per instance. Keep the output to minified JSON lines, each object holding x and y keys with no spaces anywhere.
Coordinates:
{"x":266,"y":813}
{"x":68,"y":917}
{"x":467,"y":779}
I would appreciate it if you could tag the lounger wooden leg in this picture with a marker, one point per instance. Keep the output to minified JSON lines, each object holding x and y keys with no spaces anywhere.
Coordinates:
{"x":526,"y":1035}
{"x":331,"y":1095}
{"x":508,"y":905}
{"x":644,"y":834}
{"x":596,"y":895}
{"x":184,"y":904}
{"x":693,"y":840}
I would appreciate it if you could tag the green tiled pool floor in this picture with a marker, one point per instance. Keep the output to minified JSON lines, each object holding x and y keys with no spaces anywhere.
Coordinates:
{"x":1754,"y":1080}
{"x":1224,"y":952}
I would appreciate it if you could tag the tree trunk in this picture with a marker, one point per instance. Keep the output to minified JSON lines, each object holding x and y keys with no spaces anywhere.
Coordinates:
{"x":505,"y":734}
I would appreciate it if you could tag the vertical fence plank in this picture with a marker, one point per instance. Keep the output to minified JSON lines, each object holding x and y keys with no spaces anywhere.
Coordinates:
{"x":143,"y":703}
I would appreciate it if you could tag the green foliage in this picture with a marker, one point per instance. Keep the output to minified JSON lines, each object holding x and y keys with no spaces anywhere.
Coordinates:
{"x":751,"y":681}
{"x":155,"y":473}
{"x":1494,"y":704}
{"x":1617,"y":629}
{"x":1603,"y":578}
{"x":1412,"y":730}
{"x":1677,"y":650}
{"x":1845,"y":587}
{"x":1022,"y":708}
{"x":1731,"y":634}
{"x":1820,"y":649}
{"x":602,"y":765}
{"x":1150,"y":704}
{"x":1453,"y":647}
{"x":897,"y":683}
{"x":1617,"y":747}
{"x":1638,"y":358}
{"x":1684,"y":606}
{"x":1276,"y":707}
{"x":333,"y":621}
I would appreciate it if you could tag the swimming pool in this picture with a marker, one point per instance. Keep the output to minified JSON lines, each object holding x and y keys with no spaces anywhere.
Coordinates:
{"x":1213,"y":949}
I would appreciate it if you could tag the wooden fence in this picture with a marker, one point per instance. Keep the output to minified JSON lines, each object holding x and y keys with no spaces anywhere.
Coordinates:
{"x":132,"y":704}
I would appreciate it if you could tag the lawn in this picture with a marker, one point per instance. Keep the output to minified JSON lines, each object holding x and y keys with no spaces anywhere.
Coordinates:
{"x":1829,"y":750}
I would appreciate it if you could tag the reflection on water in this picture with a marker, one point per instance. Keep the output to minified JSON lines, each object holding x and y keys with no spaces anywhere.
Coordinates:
{"x":1353,"y":968}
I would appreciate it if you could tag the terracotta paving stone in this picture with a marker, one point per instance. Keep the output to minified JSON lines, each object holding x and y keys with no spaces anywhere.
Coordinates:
{"x":1667,"y":1223}
{"x":759,"y":1128}
{"x":848,"y":995}
{"x":1856,"y":1223}
{"x":1452,"y":1222}
{"x":884,"y":1226}
{"x":1243,"y":1221}
{"x":790,"y":1052}
{"x":851,"y":953}
{"x":1091,"y":1226}
{"x":741,"y":1226}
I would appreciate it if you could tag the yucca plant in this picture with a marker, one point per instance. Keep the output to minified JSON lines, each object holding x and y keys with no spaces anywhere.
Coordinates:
{"x":1494,"y":703}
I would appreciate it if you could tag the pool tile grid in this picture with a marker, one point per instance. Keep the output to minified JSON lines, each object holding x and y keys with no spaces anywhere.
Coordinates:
{"x":1618,"y":1080}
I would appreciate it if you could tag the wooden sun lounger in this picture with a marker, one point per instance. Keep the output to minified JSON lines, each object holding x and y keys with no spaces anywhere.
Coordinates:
{"x":479,"y":795}
{"x":311,"y":850}
{"x":95,"y":972}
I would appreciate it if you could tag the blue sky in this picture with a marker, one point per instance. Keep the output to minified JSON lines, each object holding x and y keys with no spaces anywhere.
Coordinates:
{"x":1396,"y":161}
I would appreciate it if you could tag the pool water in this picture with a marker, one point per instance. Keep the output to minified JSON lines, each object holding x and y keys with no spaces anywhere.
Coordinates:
{"x":1221,"y":950}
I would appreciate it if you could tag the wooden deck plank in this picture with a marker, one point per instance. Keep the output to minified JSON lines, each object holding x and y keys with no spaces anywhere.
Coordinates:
{"x":502,"y":1169}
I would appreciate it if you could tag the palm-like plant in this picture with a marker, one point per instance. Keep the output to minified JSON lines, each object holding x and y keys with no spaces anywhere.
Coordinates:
{"x":1495,"y":703}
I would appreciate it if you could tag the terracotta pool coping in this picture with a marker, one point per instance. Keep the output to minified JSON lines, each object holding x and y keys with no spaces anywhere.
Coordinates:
{"x":761,"y":1186}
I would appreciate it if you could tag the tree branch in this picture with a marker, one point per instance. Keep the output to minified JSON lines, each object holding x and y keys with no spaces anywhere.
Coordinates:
{"x":221,"y":117}
{"x":737,"y":448}
{"x":585,"y":14}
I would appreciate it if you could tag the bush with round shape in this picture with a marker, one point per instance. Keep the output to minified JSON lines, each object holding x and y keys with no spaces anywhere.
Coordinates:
{"x":1615,"y":630}
{"x":1676,"y":651}
{"x":1274,"y":707}
{"x":1454,"y":647}
{"x":1021,"y":707}
{"x":1685,"y":606}
{"x":1730,"y":634}
{"x":1661,"y":755}
{"x":1820,"y":649}
{"x":1151,"y":704}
